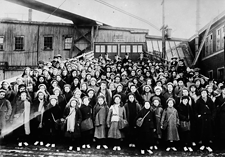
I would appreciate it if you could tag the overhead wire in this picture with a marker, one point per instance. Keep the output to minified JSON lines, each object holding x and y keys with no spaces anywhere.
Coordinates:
{"x":55,"y":10}
{"x":127,"y":13}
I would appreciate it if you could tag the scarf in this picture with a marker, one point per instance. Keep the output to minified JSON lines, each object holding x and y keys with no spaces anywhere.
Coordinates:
{"x":71,"y":120}
{"x":115,"y":113}
{"x":41,"y":110}
{"x":27,"y":117}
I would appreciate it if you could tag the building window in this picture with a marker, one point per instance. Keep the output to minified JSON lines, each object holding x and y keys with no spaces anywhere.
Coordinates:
{"x":219,"y":38}
{"x":48,"y":43}
{"x":210,"y":72}
{"x":1,"y":42}
{"x":209,"y":45}
{"x":137,"y":48}
{"x":125,"y":48}
{"x":68,"y":43}
{"x":19,"y":43}
{"x":220,"y":73}
{"x":100,"y":48}
{"x":112,"y":49}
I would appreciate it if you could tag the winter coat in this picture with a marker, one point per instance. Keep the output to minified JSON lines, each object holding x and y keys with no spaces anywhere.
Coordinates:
{"x":78,"y":119}
{"x":171,"y":116}
{"x":146,"y":131}
{"x":205,"y":113}
{"x":5,"y":112}
{"x":158,"y":114}
{"x":100,"y":114}
{"x":220,"y":117}
{"x":114,"y":131}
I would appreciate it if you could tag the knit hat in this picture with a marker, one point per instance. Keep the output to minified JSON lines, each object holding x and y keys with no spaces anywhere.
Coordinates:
{"x":158,"y":88}
{"x":116,"y":95}
{"x":53,"y":97}
{"x":67,"y":85}
{"x":39,"y":86}
{"x":184,"y":97}
{"x":156,"y":98}
{"x":170,"y":99}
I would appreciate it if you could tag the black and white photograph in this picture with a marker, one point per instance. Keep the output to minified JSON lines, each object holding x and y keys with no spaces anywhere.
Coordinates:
{"x":115,"y":78}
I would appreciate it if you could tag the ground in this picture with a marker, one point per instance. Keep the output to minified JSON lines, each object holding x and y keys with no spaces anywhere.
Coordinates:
{"x":13,"y":150}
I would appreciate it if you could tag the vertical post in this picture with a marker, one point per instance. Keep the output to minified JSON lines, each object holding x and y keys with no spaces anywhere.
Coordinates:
{"x":163,"y":31}
{"x":224,"y":57}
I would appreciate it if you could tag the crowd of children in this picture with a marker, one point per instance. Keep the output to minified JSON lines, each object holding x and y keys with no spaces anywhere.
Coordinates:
{"x":91,"y":103}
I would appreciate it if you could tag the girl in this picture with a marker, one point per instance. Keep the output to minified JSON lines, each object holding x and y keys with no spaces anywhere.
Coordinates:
{"x":116,"y":113}
{"x":73,"y":118}
{"x":22,"y":117}
{"x":170,"y":122}
{"x":132,"y":109}
{"x":157,"y":108}
{"x":52,"y":114}
{"x":147,"y":129}
{"x":205,"y":111}
{"x":100,"y":113}
{"x":86,"y":112}
{"x":185,"y":113}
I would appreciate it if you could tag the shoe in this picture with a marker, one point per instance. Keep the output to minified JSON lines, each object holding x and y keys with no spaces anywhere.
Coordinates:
{"x":41,"y":143}
{"x":98,"y":147}
{"x":142,"y":152}
{"x":36,"y":143}
{"x":168,"y":149}
{"x":20,"y":144}
{"x":84,"y":146}
{"x":133,"y":146}
{"x":155,"y":147}
{"x":193,"y":144}
{"x":114,"y":148}
{"x":130,"y":145}
{"x":25,"y":143}
{"x":190,"y":149}
{"x":174,"y":149}
{"x":53,"y":145}
{"x":88,"y":146}
{"x":202,"y":147}
{"x":105,"y":146}
{"x":185,"y":149}
{"x":47,"y":145}
{"x":151,"y":147}
{"x":209,"y":149}
{"x":78,"y":149}
{"x":118,"y":148}
{"x":70,"y":148}
{"x":150,"y":152}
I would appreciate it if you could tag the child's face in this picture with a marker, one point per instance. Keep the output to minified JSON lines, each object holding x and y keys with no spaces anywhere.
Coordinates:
{"x":117,"y":100}
{"x":100,"y":101}
{"x":147,"y":105}
{"x":53,"y":102}
{"x":185,"y":101}
{"x":170,"y":103}
{"x":131,"y":98}
{"x":73,"y":103}
{"x":156,"y":103}
{"x":86,"y":101}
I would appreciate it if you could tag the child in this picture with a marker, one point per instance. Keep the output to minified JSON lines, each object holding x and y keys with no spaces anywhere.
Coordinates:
{"x":170,"y":122}
{"x":73,"y":119}
{"x":185,"y":114}
{"x":157,"y":108}
{"x":87,"y":132}
{"x":147,"y":129}
{"x":116,"y":113}
{"x":100,"y":113}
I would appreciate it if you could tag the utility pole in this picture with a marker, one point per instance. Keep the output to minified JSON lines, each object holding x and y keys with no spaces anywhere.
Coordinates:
{"x":163,"y":31}
{"x":197,"y":26}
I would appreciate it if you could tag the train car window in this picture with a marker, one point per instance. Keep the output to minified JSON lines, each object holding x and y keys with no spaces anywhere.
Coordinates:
{"x":1,"y":42}
{"x":19,"y":43}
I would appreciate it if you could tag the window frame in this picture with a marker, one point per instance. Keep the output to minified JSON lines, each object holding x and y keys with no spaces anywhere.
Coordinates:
{"x":107,"y":51}
{"x":23,"y":43}
{"x":137,"y":48}
{"x":64,"y":42}
{"x":219,"y":38}
{"x":2,"y":36}
{"x":218,"y":69}
{"x":210,"y":72}
{"x":126,"y":45}
{"x":47,"y":36}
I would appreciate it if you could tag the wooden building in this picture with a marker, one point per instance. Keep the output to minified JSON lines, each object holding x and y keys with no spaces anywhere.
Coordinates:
{"x":211,"y":58}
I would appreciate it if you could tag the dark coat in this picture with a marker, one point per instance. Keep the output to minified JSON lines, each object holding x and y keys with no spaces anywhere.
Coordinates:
{"x":220,"y":117}
{"x":78,"y":119}
{"x":205,"y":111}
{"x":5,"y":112}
